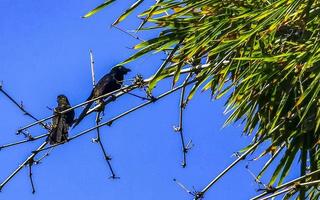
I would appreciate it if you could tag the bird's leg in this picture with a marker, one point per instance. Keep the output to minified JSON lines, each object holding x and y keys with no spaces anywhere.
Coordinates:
{"x":98,"y":140}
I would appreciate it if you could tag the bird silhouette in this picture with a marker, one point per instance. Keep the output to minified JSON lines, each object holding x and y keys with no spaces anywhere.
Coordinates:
{"x":108,"y":83}
{"x":61,"y":122}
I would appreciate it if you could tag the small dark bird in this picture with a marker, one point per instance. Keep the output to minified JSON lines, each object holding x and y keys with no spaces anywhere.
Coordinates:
{"x":108,"y":83}
{"x":61,"y":123}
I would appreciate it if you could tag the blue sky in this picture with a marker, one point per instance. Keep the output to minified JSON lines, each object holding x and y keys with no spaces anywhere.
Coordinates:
{"x":44,"y":49}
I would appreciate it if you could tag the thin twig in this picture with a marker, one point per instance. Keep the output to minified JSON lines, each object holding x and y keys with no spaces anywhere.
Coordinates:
{"x":140,"y":97}
{"x":24,"y":141}
{"x":20,"y":106}
{"x":98,"y":140}
{"x":26,"y":162}
{"x":256,"y":179}
{"x":294,"y":187}
{"x":92,"y":68}
{"x":148,"y":16}
{"x":30,"y":176}
{"x":185,"y":148}
{"x":109,"y":123}
{"x":200,"y":194}
{"x":38,"y":161}
{"x":183,"y":187}
{"x":126,"y":32}
{"x":271,"y":159}
{"x":287,"y":184}
{"x":289,"y":189}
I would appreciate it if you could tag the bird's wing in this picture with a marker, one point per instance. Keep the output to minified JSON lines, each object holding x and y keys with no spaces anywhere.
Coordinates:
{"x":59,"y":132}
{"x":102,"y":87}
{"x":69,"y":116}
{"x":103,"y":84}
{"x":84,"y":111}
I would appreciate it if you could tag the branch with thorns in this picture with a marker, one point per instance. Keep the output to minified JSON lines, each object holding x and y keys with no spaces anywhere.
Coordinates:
{"x":98,"y":119}
{"x":185,"y":148}
{"x":25,"y":112}
{"x":30,"y":160}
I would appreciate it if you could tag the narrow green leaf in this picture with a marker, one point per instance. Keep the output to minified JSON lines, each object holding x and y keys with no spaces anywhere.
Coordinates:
{"x":98,"y":8}
{"x":128,"y":12}
{"x":156,"y":78}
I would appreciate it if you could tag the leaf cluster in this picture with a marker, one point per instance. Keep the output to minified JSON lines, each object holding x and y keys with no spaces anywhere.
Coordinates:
{"x":264,"y":55}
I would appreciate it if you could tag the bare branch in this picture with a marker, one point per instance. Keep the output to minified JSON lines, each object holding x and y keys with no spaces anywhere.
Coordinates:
{"x":289,"y":189}
{"x":92,"y":68}
{"x":38,"y":161}
{"x":109,"y":123}
{"x":20,"y":106}
{"x":98,"y":140}
{"x":183,"y":187}
{"x":295,"y":181}
{"x":30,"y":164}
{"x":185,"y":148}
{"x":126,"y":32}
{"x":292,"y":188}
{"x":116,"y":93}
{"x":252,"y":148}
{"x":24,"y":141}
{"x":271,"y":159}
{"x":26,"y":162}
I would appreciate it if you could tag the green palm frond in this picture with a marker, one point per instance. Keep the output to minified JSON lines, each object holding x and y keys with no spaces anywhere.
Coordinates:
{"x":263,"y":54}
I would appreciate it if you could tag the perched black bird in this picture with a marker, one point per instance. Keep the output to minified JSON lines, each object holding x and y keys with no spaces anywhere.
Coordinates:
{"x":108,"y":83}
{"x":61,"y":123}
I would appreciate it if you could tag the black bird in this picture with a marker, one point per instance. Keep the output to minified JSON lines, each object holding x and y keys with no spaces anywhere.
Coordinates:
{"x":62,"y":122}
{"x":108,"y":83}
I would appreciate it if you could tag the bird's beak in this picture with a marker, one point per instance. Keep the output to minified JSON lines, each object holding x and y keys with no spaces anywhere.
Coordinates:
{"x":128,"y":70}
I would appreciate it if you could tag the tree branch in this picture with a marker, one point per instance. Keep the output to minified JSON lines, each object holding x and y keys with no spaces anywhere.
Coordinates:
{"x":294,"y":187}
{"x":200,"y":195}
{"x":287,"y":184}
{"x":109,"y":123}
{"x":116,"y":93}
{"x":26,"y":162}
{"x":179,"y":129}
{"x":30,"y":175}
{"x":24,"y":141}
{"x":98,"y":140}
{"x":92,"y":68}
{"x":126,"y":32}
{"x":20,"y":106}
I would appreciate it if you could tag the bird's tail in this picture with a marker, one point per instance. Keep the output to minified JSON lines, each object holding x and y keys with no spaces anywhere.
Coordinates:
{"x":84,"y":112}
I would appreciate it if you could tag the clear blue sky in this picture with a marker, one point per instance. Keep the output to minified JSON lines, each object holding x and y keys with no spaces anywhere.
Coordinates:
{"x":44,"y":52}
